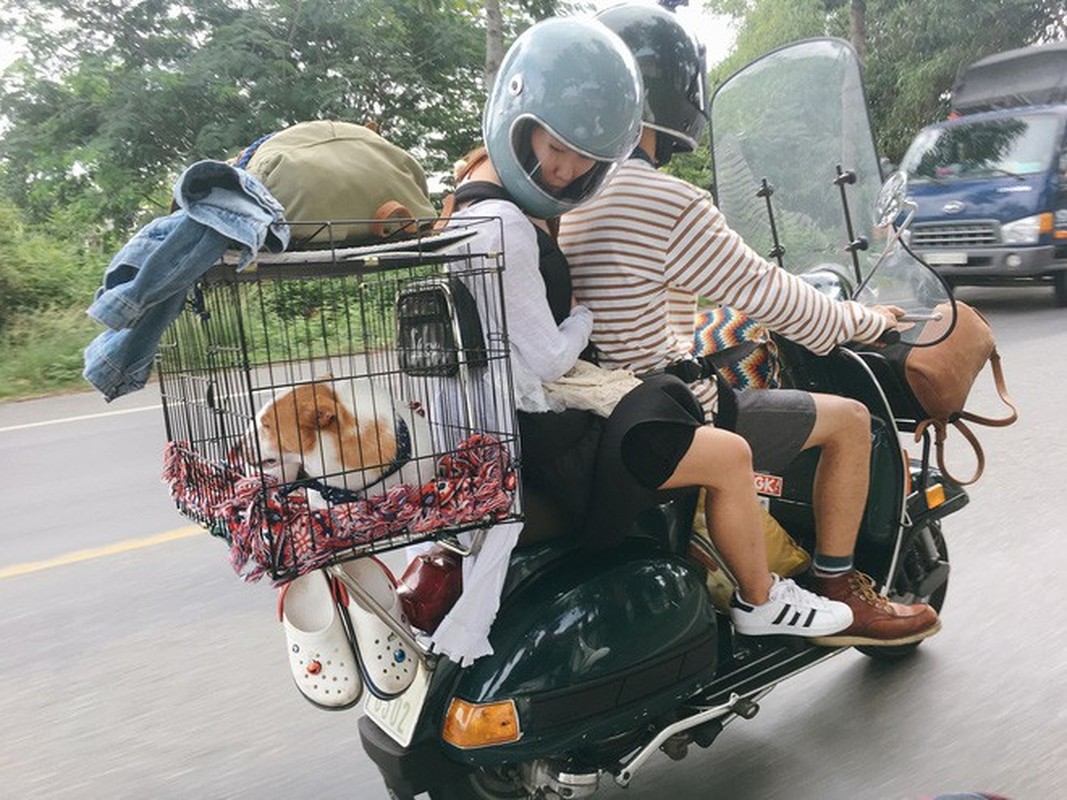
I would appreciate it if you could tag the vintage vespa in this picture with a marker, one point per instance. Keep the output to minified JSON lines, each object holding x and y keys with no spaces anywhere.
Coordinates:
{"x":599,"y":663}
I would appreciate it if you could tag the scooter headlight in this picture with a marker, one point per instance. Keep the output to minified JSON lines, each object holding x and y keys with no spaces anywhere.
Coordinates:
{"x":469,"y":725}
{"x":1026,"y":230}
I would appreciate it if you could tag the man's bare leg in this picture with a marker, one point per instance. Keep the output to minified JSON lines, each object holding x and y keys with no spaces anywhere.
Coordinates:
{"x":843,"y":430}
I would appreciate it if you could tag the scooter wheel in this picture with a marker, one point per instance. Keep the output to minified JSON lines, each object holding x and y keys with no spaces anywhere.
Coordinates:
{"x":481,"y":785}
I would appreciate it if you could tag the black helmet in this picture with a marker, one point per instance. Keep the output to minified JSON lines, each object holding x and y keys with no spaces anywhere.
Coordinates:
{"x":673,"y":69}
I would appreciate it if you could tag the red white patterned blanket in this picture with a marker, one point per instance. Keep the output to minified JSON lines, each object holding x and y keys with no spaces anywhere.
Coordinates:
{"x":273,"y":531}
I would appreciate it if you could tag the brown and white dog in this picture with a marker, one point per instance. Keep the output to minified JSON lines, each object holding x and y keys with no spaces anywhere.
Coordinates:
{"x":346,"y":436}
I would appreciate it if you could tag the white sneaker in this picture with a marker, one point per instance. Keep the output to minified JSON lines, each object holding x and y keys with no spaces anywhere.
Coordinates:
{"x":790,"y":610}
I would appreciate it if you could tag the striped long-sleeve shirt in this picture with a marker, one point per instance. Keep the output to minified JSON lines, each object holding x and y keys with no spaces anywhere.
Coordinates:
{"x":649,"y":245}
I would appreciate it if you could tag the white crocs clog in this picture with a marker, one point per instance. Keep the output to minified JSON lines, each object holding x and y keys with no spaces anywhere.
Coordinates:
{"x":320,"y":653}
{"x":387,"y":665}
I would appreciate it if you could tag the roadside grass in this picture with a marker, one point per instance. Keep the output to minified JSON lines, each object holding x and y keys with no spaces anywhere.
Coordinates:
{"x":42,"y":352}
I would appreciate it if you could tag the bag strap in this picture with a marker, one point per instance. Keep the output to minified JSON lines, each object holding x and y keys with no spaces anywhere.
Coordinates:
{"x":385,"y":218}
{"x":448,"y":208}
{"x":463,"y":168}
{"x":940,"y":432}
{"x":998,"y":380}
{"x":242,"y":159}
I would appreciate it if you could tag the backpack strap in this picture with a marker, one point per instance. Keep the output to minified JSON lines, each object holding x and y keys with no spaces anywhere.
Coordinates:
{"x":387,"y":213}
{"x":464,"y":168}
{"x":476,"y":191}
{"x":468,"y":194}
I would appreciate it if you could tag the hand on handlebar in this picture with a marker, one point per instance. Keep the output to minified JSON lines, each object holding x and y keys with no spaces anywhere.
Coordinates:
{"x":893,"y":325}
{"x":893,"y":318}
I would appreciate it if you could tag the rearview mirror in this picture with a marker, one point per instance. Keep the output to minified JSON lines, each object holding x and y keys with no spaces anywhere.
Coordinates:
{"x":891,"y":199}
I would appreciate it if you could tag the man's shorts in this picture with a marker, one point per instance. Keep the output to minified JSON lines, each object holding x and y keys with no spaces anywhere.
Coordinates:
{"x":776,"y":423}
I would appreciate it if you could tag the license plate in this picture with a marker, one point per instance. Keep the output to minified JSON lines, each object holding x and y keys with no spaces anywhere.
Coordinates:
{"x":399,"y":716}
{"x":945,"y":258}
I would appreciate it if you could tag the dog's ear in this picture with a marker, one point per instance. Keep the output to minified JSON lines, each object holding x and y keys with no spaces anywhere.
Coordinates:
{"x":325,"y":403}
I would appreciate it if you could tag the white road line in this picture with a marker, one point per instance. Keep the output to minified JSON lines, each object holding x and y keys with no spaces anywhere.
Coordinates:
{"x":26,"y":425}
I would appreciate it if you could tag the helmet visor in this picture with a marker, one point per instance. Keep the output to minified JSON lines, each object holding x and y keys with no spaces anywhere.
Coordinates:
{"x":580,"y":188}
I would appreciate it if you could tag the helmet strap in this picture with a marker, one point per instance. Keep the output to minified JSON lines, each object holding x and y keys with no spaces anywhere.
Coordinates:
{"x":664,"y":149}
{"x":641,"y":153}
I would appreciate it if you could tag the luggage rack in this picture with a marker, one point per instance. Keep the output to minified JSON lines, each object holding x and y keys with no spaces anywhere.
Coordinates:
{"x":329,"y":404}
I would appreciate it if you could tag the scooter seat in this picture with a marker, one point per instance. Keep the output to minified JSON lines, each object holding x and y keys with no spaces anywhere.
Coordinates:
{"x":548,"y":537}
{"x":669,"y":524}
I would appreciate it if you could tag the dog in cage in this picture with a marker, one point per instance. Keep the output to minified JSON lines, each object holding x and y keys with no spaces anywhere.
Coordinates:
{"x":343,"y":439}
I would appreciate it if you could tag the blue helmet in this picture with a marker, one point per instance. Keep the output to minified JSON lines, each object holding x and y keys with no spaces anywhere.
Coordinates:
{"x":579,"y":81}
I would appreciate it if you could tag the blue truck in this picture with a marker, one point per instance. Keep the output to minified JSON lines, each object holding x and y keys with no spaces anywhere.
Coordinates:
{"x":991,"y":180}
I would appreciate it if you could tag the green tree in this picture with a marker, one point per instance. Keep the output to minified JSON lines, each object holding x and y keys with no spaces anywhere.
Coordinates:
{"x":110,"y":100}
{"x":71,"y":274}
{"x":106,"y":107}
{"x":914,"y":56}
{"x":763,"y":25}
{"x":914,"y":48}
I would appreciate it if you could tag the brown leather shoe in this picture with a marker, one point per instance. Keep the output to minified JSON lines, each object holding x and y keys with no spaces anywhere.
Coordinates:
{"x":876,"y":621}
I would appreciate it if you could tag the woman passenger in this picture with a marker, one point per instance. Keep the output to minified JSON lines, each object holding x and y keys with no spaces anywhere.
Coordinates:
{"x":564,"y":111}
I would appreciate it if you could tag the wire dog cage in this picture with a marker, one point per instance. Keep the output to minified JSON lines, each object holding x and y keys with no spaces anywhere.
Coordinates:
{"x":326,"y":405}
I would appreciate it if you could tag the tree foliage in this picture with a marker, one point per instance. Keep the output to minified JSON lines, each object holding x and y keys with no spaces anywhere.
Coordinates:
{"x":914,"y":56}
{"x":39,"y":270}
{"x":914,"y":48}
{"x":111,"y":99}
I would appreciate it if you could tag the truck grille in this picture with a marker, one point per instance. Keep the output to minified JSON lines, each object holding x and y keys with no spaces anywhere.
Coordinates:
{"x":955,"y":234}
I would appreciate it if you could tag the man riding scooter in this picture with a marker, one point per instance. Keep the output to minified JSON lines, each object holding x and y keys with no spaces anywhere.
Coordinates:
{"x":641,"y":266}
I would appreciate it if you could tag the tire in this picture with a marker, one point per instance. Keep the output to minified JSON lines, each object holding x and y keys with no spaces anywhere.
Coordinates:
{"x":915,"y":567}
{"x":482,"y":784}
{"x":1059,"y":287}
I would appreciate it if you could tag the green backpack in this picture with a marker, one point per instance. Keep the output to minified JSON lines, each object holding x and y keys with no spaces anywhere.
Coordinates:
{"x":343,"y":174}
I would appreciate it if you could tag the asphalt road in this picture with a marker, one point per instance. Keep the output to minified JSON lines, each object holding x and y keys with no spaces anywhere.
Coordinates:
{"x":135,"y":665}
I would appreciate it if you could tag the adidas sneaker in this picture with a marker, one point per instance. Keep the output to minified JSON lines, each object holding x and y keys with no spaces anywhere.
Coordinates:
{"x":791,"y":611}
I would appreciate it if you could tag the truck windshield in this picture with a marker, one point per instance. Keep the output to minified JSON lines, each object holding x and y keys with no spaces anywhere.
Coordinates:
{"x":1017,"y":145}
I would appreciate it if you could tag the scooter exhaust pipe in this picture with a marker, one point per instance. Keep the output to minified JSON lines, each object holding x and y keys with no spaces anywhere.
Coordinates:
{"x":553,"y":785}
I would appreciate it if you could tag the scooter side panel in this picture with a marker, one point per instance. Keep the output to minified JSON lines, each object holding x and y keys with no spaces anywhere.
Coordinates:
{"x":585,"y":649}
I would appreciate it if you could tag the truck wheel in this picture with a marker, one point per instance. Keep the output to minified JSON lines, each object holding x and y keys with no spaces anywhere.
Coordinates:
{"x":1059,"y":286}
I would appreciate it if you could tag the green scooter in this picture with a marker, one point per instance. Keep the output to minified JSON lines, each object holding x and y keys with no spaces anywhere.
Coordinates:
{"x":598,"y":663}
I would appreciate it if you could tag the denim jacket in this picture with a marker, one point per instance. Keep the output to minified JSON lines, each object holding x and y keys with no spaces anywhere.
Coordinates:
{"x":146,"y":283}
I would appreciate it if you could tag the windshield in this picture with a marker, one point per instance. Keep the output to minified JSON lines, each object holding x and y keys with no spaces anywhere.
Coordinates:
{"x":792,"y":117}
{"x":980,"y":148}
{"x":795,"y":117}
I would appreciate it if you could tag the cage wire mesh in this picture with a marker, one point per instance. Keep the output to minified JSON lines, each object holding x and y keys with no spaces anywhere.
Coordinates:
{"x":332,"y":404}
